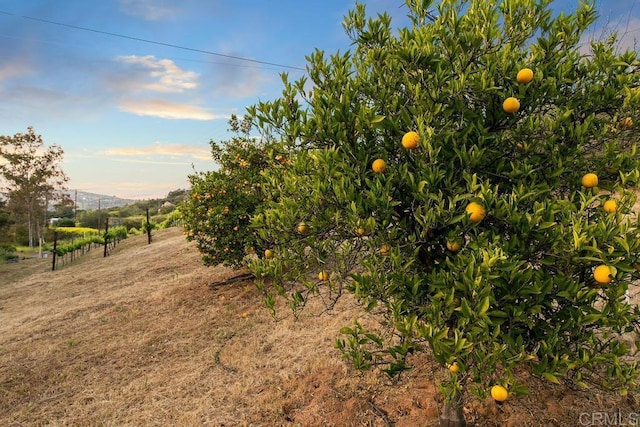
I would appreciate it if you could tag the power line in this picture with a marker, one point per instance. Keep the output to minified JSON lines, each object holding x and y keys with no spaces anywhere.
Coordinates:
{"x":122,"y":36}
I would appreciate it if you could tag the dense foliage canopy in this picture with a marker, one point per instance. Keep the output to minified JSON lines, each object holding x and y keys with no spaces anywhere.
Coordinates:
{"x":464,"y":177}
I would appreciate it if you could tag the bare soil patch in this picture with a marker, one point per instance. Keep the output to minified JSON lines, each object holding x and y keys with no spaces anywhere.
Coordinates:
{"x":139,"y":338}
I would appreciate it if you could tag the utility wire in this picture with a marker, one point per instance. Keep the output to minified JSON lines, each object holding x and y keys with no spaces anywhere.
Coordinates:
{"x":122,"y":36}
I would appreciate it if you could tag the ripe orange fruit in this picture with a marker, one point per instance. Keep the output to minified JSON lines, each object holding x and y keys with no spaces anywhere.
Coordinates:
{"x":384,"y":250}
{"x":610,"y":206}
{"x":360,"y":231}
{"x":323,"y":276}
{"x":590,"y":180}
{"x":302,"y":228}
{"x":524,"y":76}
{"x":602,"y":274}
{"x":626,"y":123}
{"x":499,"y":393}
{"x":268,"y":253}
{"x":475,"y":211}
{"x":410,"y":140}
{"x":454,"y":368}
{"x":453,"y":246}
{"x":511,"y":105}
{"x":379,"y":166}
{"x":225,"y":210}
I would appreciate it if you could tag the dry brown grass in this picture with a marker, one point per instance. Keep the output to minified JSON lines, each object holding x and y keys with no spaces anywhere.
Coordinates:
{"x":138,"y":338}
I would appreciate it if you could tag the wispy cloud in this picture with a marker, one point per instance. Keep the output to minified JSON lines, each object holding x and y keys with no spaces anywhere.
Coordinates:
{"x":165,"y":109}
{"x":13,"y":69}
{"x":164,"y":150}
{"x":234,"y":82}
{"x":157,"y":75}
{"x":148,"y":77}
{"x":150,"y":10}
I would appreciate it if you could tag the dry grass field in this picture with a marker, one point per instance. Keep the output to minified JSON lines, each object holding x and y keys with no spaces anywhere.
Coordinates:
{"x":140,"y":339}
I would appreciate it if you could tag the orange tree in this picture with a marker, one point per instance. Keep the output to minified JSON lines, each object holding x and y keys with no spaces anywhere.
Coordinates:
{"x":217,"y":212}
{"x":438,"y":176}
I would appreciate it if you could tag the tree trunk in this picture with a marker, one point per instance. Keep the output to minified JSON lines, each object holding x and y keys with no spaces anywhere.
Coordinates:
{"x":30,"y":225}
{"x":452,"y":415}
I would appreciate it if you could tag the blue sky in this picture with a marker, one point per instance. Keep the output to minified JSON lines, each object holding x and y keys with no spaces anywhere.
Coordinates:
{"x":134,"y":118}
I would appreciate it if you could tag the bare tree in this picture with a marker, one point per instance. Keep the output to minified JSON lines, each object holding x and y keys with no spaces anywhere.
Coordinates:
{"x":30,"y":178}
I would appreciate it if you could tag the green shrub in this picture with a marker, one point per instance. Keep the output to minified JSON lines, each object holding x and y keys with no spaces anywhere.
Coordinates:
{"x":217,"y":213}
{"x":65,"y":222}
{"x":174,"y":219}
{"x":8,"y":252}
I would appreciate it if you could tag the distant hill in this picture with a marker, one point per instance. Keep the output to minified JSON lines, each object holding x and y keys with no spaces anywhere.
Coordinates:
{"x":89,"y":201}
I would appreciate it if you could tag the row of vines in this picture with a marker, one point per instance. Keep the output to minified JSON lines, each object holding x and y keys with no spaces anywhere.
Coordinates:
{"x":71,"y":242}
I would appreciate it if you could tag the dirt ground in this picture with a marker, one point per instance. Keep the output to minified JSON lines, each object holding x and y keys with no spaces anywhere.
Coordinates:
{"x":139,"y":338}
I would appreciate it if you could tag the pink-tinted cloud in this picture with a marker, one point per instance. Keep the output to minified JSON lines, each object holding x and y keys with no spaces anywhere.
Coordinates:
{"x":165,"y":109}
{"x":175,"y":151}
{"x":13,"y":69}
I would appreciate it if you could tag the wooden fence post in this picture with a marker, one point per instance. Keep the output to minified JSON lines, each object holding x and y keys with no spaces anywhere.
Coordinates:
{"x":148,"y":228}
{"x":106,"y":236}
{"x":55,"y":246}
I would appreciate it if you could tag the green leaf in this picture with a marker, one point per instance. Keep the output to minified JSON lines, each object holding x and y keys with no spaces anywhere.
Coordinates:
{"x":546,"y":224}
{"x":465,"y":308}
{"x":377,"y":119}
{"x":484,"y":306}
{"x":623,"y":243}
{"x":590,"y":318}
{"x":551,"y":377}
{"x":497,"y":313}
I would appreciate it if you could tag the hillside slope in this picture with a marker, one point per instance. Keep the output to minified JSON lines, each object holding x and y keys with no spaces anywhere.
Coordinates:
{"x":139,"y":338}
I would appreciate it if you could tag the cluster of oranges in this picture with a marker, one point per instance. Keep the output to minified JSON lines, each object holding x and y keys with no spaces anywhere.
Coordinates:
{"x":512,"y":104}
{"x":499,"y":393}
{"x":602,"y":274}
{"x":411,"y":139}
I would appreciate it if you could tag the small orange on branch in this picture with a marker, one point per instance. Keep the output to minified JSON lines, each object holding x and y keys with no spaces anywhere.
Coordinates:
{"x":475,"y":211}
{"x":590,"y":180}
{"x":379,"y":166}
{"x":410,"y":140}
{"x":602,"y":274}
{"x":524,"y":76}
{"x":511,"y":105}
{"x":610,"y":206}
